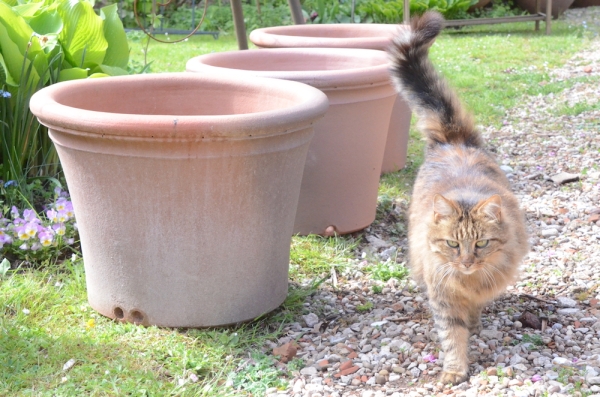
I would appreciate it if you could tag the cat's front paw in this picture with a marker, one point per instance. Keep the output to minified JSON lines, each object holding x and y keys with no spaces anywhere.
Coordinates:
{"x":453,"y":377}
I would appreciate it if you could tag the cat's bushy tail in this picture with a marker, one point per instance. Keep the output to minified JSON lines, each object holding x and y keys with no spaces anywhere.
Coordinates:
{"x":440,"y":114}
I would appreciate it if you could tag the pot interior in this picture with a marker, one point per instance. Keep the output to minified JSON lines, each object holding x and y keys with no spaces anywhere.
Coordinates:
{"x":177,"y":96}
{"x":339,"y":31}
{"x":296,"y":60}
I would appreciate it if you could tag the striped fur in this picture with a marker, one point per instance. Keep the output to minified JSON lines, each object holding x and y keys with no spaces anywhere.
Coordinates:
{"x":441,"y":116}
{"x":461,"y":198}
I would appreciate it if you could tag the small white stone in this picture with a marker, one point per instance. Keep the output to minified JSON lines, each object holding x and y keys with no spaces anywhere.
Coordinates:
{"x":311,"y":319}
{"x":568,"y":311}
{"x":69,"y":364}
{"x":566,"y":302}
{"x":549,"y":232}
{"x":561,"y":361}
{"x":308,"y":371}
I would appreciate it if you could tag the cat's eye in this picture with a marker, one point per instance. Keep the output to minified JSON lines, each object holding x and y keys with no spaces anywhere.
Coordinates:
{"x":482,"y":243}
{"x":452,"y":244}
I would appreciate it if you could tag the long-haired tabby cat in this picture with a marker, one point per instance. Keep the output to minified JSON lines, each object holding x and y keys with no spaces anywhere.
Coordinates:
{"x":466,"y":231}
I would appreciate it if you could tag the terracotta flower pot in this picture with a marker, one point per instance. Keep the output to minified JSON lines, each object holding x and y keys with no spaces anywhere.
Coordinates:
{"x":185,"y":190}
{"x":341,"y":177}
{"x":348,"y":35}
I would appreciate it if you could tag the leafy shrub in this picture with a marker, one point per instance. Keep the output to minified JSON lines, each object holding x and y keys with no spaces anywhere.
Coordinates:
{"x":42,"y":43}
{"x":381,"y":11}
{"x":180,"y":15}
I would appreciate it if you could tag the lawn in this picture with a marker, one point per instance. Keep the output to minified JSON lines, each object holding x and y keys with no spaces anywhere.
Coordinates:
{"x":55,"y":344}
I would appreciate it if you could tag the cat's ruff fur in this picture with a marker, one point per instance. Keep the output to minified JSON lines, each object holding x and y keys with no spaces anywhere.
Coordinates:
{"x":467,"y":233}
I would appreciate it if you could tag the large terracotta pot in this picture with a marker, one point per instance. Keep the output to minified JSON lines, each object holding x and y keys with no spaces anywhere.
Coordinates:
{"x":185,"y":190}
{"x":341,"y":176}
{"x":348,"y":35}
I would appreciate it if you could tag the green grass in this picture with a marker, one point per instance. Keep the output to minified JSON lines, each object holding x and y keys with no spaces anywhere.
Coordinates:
{"x":315,"y":256}
{"x":383,"y":271}
{"x":172,"y":57}
{"x":46,"y":320}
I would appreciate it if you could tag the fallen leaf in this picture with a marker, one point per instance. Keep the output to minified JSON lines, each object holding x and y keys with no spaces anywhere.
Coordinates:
{"x":286,"y":352}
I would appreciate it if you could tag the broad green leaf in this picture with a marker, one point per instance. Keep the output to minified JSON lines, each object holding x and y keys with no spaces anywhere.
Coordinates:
{"x":82,"y":35}
{"x":117,"y":53}
{"x":110,"y":70}
{"x":13,"y":57}
{"x":48,"y":22}
{"x":72,"y":74}
{"x":17,"y":30}
{"x":5,"y":77}
{"x":96,"y":75}
{"x":27,"y":10}
{"x":4,"y":267}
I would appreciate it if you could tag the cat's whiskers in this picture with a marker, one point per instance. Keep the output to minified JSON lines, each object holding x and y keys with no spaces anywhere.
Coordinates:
{"x":490,"y":280}
{"x":448,"y":270}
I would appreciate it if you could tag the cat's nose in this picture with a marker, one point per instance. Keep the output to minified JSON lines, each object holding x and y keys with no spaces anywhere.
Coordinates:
{"x":467,"y":264}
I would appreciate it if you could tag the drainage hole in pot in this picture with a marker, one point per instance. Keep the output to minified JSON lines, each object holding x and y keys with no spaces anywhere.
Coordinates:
{"x":330,"y":231}
{"x":118,"y":312}
{"x":137,"y":316}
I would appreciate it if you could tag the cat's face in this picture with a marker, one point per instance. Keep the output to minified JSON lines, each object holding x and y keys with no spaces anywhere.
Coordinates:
{"x":466,"y":239}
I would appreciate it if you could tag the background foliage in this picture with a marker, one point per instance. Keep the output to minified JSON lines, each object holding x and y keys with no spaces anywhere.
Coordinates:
{"x":42,"y":43}
{"x":185,"y":14}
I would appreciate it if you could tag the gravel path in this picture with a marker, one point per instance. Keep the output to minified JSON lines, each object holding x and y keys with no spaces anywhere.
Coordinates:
{"x":541,"y":338}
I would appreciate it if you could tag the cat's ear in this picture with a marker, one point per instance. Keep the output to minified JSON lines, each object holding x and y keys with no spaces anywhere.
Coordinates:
{"x":443,"y":208}
{"x":490,"y":208}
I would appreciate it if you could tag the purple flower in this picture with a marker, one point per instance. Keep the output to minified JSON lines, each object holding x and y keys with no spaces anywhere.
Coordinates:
{"x":430,"y":358}
{"x":30,"y":216}
{"x":59,"y":229}
{"x":536,"y":378}
{"x":69,"y":209}
{"x":5,"y":238}
{"x":21,"y":233}
{"x":52,"y":215}
{"x":45,"y":238}
{"x":61,"y":204}
{"x":31,"y":228}
{"x":14,"y":212}
{"x":62,"y":216}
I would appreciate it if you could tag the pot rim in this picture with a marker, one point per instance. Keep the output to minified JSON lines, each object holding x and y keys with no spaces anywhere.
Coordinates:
{"x":365,"y":35}
{"x":328,"y":79}
{"x":307,"y":105}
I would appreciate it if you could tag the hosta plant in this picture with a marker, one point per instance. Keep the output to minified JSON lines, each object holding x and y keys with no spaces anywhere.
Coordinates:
{"x":41,"y":43}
